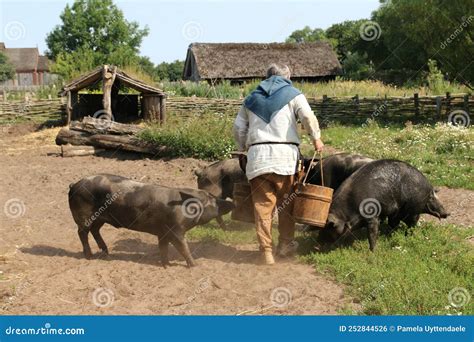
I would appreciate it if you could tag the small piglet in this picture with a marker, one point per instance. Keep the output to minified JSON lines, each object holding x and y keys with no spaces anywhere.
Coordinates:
{"x":382,"y":189}
{"x":162,"y":211}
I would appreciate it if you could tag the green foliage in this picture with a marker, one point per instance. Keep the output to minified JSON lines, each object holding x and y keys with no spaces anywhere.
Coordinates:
{"x":170,"y":71}
{"x":93,"y":32}
{"x":306,"y":35}
{"x":433,"y":150}
{"x":409,"y":275}
{"x":411,"y":32}
{"x":205,"y":137}
{"x":222,"y":90}
{"x":356,"y":67}
{"x":7,"y":71}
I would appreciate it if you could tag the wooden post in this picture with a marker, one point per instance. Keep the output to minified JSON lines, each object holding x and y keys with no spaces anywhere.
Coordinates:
{"x":417,"y":103}
{"x":356,"y":99}
{"x":323,"y":106}
{"x":162,"y":110}
{"x":151,"y":107}
{"x":466,"y":103}
{"x":448,"y":102}
{"x":108,"y":78}
{"x":68,"y":108}
{"x":438,"y":107}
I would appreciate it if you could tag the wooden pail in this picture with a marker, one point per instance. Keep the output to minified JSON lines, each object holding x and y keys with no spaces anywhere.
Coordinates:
{"x":243,"y":210}
{"x":312,"y":202}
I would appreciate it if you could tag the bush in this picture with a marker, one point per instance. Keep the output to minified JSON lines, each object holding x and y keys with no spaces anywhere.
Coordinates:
{"x":205,"y":137}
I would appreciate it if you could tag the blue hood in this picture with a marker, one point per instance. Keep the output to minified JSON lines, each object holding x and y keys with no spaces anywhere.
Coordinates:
{"x":270,"y":96}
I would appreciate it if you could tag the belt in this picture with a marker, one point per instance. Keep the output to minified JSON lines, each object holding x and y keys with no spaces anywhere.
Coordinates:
{"x":275,"y":143}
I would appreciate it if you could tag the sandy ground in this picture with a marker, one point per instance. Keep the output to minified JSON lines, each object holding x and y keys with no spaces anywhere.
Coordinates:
{"x":43,"y":270}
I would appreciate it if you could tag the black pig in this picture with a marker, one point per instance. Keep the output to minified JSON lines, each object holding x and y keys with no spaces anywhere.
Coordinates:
{"x":162,"y":211}
{"x":382,"y":189}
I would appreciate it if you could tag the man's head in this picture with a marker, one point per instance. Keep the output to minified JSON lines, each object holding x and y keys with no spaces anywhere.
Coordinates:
{"x":278,"y":70}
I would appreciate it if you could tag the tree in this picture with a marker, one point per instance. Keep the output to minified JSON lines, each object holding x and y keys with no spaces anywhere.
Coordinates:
{"x":416,"y":31}
{"x":346,"y":36}
{"x":98,"y":31}
{"x":170,"y":71}
{"x":7,"y":71}
{"x":306,"y":35}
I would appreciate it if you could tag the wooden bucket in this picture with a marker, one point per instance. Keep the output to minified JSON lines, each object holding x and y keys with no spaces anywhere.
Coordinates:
{"x":312,"y":202}
{"x":244,"y":209}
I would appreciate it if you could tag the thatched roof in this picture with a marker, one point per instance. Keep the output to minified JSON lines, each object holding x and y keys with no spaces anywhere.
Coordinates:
{"x":250,"y":60}
{"x":22,"y":59}
{"x":25,"y":59}
{"x":90,"y":78}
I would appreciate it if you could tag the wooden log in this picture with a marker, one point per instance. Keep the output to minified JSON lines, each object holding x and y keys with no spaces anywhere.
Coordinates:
{"x":108,"y":78}
{"x":94,"y":126}
{"x":80,"y":150}
{"x":115,"y":142}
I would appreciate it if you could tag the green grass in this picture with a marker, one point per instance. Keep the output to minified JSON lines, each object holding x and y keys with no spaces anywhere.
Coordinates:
{"x":335,"y":88}
{"x":205,"y":137}
{"x":443,"y":153}
{"x":409,"y":275}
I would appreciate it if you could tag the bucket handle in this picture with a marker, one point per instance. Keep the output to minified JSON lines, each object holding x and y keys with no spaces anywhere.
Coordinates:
{"x":311,"y":165}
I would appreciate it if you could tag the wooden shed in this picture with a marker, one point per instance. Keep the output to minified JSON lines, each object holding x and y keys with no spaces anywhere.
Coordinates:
{"x":238,"y":62}
{"x":149,"y":104}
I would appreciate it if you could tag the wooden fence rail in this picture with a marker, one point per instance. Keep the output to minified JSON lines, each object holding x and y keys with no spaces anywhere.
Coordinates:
{"x":417,"y":109}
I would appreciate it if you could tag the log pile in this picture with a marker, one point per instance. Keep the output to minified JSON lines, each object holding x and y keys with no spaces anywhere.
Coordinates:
{"x":103,"y":134}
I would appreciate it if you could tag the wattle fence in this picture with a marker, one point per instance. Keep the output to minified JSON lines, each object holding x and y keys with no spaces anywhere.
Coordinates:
{"x":346,"y":110}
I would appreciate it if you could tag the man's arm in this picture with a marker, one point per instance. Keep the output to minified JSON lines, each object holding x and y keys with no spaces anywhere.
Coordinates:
{"x":241,"y":128}
{"x":308,"y":119}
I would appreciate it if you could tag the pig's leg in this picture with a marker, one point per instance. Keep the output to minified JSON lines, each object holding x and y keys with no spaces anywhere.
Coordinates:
{"x":373,"y":229}
{"x":84,"y":236}
{"x":221,"y":222}
{"x":163,"y":243}
{"x":178,"y":240}
{"x":95,"y":230}
{"x":411,"y":221}
{"x":393,"y":221}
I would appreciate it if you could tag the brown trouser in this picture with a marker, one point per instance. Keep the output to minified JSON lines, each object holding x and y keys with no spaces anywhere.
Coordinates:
{"x":269,"y":190}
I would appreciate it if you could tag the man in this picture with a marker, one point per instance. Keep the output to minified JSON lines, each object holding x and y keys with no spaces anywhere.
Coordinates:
{"x":267,"y":126}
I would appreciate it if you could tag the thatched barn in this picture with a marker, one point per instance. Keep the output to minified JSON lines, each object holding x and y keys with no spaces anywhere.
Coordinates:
{"x":148,"y":102}
{"x":31,"y":68}
{"x":238,"y":62}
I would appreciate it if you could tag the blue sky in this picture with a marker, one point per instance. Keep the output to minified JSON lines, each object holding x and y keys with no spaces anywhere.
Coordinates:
{"x":175,"y":24}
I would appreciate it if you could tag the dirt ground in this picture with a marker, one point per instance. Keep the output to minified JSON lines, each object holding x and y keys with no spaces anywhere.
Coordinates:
{"x":42,"y":270}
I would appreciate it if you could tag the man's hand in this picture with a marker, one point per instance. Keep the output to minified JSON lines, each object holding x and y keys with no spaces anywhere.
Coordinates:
{"x":318,"y":145}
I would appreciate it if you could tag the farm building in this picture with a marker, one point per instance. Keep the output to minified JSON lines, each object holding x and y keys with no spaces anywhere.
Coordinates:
{"x":147,"y":102}
{"x":31,"y":69}
{"x":238,"y":62}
